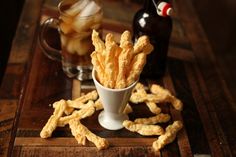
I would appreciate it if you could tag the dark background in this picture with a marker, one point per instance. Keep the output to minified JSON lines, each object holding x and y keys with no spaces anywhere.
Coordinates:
{"x":10,"y":11}
{"x":218,"y":19}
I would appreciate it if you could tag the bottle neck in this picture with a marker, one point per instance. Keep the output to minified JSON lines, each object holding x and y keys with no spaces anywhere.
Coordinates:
{"x":149,"y":6}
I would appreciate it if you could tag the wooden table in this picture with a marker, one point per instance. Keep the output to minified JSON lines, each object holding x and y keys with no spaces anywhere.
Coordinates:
{"x":32,"y":82}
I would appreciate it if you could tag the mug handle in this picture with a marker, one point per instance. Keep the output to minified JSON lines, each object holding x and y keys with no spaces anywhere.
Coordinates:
{"x":49,"y":51}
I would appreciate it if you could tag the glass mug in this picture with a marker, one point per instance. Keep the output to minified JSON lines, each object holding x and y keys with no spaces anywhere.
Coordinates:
{"x":77,"y":19}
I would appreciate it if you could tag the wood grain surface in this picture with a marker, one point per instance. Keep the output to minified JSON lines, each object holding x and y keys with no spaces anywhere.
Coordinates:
{"x":33,"y":82}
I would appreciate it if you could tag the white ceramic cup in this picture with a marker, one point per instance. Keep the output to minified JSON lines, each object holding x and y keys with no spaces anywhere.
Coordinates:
{"x":114,"y":102}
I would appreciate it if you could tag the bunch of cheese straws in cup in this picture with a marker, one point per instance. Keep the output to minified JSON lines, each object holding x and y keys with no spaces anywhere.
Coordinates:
{"x":111,"y":59}
{"x":119,"y":66}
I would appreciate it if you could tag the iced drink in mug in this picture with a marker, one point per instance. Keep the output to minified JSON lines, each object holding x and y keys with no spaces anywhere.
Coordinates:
{"x":77,"y":19}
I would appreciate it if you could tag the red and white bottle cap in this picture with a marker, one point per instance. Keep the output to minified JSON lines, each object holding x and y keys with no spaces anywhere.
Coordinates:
{"x":164,"y":9}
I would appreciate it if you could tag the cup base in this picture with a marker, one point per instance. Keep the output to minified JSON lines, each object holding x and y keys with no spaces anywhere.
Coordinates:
{"x":81,"y":73}
{"x":112,"y":123}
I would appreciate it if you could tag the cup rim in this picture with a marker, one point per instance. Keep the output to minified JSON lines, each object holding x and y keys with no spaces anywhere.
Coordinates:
{"x":110,"y":89}
{"x":65,"y":14}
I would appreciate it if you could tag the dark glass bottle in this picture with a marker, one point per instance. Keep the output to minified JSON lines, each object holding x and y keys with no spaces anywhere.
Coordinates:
{"x":158,"y":28}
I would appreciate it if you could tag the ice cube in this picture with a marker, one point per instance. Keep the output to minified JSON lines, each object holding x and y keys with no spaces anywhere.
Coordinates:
{"x":77,"y":7}
{"x":66,"y":19}
{"x":71,"y":44}
{"x":98,"y":18}
{"x":83,"y":35}
{"x":84,"y":47}
{"x":65,"y":28}
{"x":63,"y":40}
{"x":79,"y":46}
{"x":90,"y":9}
{"x":95,"y":26}
{"x":82,"y":24}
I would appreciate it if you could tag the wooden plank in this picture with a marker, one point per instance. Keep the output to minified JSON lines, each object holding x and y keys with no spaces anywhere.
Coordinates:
{"x":190,"y":114}
{"x":217,"y":90}
{"x":14,"y":75}
{"x":6,"y":123}
{"x":12,"y":81}
{"x":70,"y":141}
{"x":178,"y":35}
{"x":181,"y":54}
{"x":43,"y":87}
{"x":205,"y":108}
{"x":86,"y":152}
{"x":16,"y":151}
{"x":46,"y":85}
{"x":6,"y":108}
{"x":183,"y":142}
{"x":10,"y":89}
{"x":25,"y":33}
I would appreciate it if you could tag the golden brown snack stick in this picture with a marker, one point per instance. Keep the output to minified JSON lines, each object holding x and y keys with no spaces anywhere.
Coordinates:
{"x":137,"y":98}
{"x":78,"y":114}
{"x":139,"y":94}
{"x":177,"y":104}
{"x":153,"y":107}
{"x":143,"y":129}
{"x":73,"y":126}
{"x":98,"y":105}
{"x":141,"y":49}
{"x":109,"y":40}
{"x":116,"y":62}
{"x":53,"y":120}
{"x":98,"y":66}
{"x":110,"y":73}
{"x":143,"y":45}
{"x":155,"y":89}
{"x":68,"y":110}
{"x":101,"y":60}
{"x":165,"y":96}
{"x":137,"y":65}
{"x":98,"y":57}
{"x":123,"y":62}
{"x":79,"y":102}
{"x":109,"y":81}
{"x":80,"y":139}
{"x":88,"y":104}
{"x":139,"y":87}
{"x":168,"y":137}
{"x":160,"y":118}
{"x":156,"y":98}
{"x":100,"y":143}
{"x":128,"y":109}
{"x":97,"y":42}
{"x":125,"y":37}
